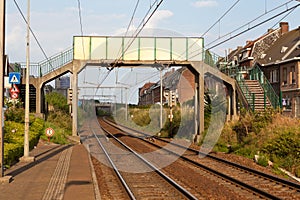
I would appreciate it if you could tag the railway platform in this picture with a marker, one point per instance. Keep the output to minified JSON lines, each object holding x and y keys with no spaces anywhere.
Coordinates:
{"x":58,"y":172}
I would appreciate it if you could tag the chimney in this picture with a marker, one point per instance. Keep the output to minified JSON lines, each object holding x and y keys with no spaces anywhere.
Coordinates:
{"x":284,"y":27}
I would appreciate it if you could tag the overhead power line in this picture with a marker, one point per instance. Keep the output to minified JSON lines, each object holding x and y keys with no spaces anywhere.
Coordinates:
{"x":132,"y":17}
{"x":143,"y":23}
{"x":249,"y":28}
{"x":218,"y":21}
{"x":33,"y":34}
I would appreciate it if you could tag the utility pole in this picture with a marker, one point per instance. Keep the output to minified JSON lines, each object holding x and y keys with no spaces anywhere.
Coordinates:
{"x":2,"y":49}
{"x":26,"y":157}
{"x":3,"y":179}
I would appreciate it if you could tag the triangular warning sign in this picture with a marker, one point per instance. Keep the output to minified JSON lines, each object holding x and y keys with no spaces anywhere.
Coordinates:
{"x":14,"y":89}
{"x":14,"y":79}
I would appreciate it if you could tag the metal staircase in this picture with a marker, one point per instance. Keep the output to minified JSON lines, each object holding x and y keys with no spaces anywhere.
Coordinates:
{"x":256,"y":93}
{"x":259,"y":99}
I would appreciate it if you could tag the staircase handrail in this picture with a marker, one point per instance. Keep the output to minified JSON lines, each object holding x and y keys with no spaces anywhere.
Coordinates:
{"x":52,"y":63}
{"x":56,"y":61}
{"x":257,"y":74}
{"x":250,"y":97}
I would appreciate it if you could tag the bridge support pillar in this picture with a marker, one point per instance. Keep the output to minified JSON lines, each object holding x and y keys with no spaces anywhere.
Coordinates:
{"x":74,"y":84}
{"x":38,"y":100}
{"x":199,"y":101}
{"x":38,"y":84}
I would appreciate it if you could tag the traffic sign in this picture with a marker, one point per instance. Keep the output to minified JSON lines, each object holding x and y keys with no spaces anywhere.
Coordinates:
{"x":14,"y":78}
{"x":49,"y":132}
{"x":14,"y":89}
{"x":14,"y":95}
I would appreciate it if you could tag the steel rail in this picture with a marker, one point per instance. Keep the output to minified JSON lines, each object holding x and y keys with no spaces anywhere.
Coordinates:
{"x":163,"y":175}
{"x":129,"y":192}
{"x":268,"y":176}
{"x":245,"y":185}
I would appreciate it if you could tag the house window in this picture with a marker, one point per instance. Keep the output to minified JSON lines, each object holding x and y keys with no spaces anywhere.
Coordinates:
{"x":274,"y":76}
{"x":284,"y":76}
{"x":292,"y":75}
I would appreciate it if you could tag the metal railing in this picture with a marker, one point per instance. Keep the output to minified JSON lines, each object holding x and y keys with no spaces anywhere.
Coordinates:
{"x":257,"y":74}
{"x":238,"y":72}
{"x":210,"y":58}
{"x":52,"y":63}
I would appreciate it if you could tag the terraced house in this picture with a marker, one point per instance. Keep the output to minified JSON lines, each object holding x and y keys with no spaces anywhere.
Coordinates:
{"x":270,"y":60}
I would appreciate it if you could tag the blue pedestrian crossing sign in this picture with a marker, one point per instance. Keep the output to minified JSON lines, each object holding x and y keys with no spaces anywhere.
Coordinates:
{"x":14,"y":78}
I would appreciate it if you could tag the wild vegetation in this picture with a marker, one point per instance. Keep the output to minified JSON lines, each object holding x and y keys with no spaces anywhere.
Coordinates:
{"x":58,"y":118}
{"x":270,"y":135}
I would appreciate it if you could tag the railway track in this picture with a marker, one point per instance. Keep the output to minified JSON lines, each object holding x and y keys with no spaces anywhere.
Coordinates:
{"x":260,"y":184}
{"x":152,"y":183}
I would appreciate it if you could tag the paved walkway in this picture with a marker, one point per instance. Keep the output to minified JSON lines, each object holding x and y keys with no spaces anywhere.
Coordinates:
{"x":59,"y":172}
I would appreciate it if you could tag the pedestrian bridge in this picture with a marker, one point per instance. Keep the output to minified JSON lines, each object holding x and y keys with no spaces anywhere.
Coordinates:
{"x":113,"y":52}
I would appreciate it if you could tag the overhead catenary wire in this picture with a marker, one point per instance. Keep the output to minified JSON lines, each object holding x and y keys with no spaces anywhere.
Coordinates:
{"x":81,"y":32}
{"x":80,"y":23}
{"x":33,"y":34}
{"x":135,"y":35}
{"x":227,"y":11}
{"x":237,"y":29}
{"x":130,"y":22}
{"x":218,"y":21}
{"x":132,"y":17}
{"x":283,"y":18}
{"x":249,"y":28}
{"x":208,"y":47}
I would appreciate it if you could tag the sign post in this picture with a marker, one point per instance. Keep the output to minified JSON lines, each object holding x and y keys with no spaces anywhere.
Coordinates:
{"x":49,"y":133}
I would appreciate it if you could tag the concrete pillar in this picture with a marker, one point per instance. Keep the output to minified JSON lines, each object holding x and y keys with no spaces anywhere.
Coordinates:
{"x":74,"y":84}
{"x":229,"y":107}
{"x":196,"y":116}
{"x":38,"y":98}
{"x":199,"y":100}
{"x":234,"y":102}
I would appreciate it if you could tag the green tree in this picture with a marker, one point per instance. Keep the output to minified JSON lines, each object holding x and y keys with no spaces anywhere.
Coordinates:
{"x":57,"y":100}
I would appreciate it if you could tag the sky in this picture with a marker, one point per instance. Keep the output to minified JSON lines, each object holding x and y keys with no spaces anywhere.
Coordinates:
{"x":55,"y":22}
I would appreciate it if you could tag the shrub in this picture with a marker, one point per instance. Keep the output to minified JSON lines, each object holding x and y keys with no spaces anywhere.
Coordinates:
{"x":12,"y":152}
{"x":14,"y":138}
{"x":15,"y":114}
{"x":262,"y":160}
{"x":58,"y":101}
{"x":60,"y":119}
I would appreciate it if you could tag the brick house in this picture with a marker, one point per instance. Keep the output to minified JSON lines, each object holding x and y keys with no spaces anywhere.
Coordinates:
{"x":281,"y":66}
{"x":181,"y":81}
{"x":277,"y":53}
{"x":145,"y":94}
{"x":248,"y":55}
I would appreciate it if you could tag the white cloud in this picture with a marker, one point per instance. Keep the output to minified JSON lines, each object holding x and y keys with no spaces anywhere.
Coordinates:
{"x":205,"y":3}
{"x":158,"y":17}
{"x":122,"y":31}
{"x":153,"y":23}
